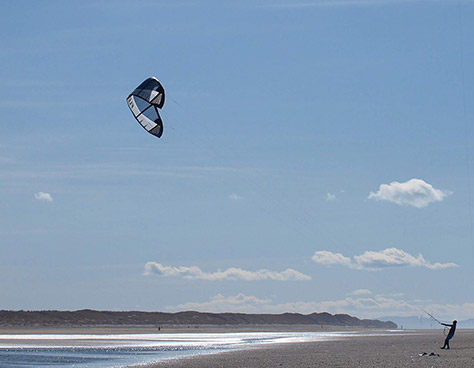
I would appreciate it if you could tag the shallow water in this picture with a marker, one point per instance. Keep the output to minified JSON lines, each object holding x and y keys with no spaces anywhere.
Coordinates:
{"x":92,"y":351}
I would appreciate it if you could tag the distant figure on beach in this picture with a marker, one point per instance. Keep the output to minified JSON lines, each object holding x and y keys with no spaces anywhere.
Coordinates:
{"x":452,"y":329}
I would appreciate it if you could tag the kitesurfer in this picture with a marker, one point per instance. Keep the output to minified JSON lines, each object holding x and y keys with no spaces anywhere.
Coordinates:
{"x":452,"y":329}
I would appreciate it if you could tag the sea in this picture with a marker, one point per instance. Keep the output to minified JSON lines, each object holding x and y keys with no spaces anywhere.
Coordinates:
{"x":115,"y":350}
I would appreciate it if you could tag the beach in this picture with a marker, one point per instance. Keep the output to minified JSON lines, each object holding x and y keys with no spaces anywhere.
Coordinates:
{"x":127,"y":346}
{"x":401,"y":349}
{"x":239,"y":347}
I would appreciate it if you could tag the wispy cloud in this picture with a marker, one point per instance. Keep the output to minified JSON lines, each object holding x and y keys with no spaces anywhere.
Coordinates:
{"x":239,"y":303}
{"x":233,"y":273}
{"x":117,"y":169}
{"x":414,"y":192}
{"x":369,"y":306}
{"x":371,"y":260}
{"x":235,"y":197}
{"x":391,"y":257}
{"x":40,"y":104}
{"x":43,"y":197}
{"x":382,"y":305}
{"x":361,"y":292}
{"x":5,"y":160}
{"x":34,"y":83}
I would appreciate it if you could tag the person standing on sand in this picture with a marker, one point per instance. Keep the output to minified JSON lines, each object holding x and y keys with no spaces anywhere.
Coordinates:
{"x":452,"y":329}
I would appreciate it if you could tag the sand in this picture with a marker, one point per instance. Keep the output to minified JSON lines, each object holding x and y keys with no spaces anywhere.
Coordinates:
{"x":398,"y":350}
{"x":134,"y":329}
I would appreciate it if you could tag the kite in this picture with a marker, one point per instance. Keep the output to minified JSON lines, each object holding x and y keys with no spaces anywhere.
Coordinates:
{"x":144,"y":103}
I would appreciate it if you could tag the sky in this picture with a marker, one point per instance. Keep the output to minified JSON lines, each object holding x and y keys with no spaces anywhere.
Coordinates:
{"x":317,"y":155}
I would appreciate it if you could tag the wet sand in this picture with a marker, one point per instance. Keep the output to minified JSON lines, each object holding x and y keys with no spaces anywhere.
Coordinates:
{"x":133,"y":329}
{"x":394,"y":351}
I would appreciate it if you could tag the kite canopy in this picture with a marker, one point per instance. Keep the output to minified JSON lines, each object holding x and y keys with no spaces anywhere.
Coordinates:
{"x":144,"y":103}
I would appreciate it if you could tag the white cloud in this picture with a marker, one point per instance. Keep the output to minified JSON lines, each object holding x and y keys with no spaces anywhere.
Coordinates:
{"x":369,"y":306}
{"x":330,"y":197}
{"x":361,"y":292}
{"x":242,"y":303}
{"x":396,"y":257}
{"x":381,"y":305}
{"x":43,"y":197}
{"x":370,"y":260}
{"x":328,"y":258}
{"x":359,"y":306}
{"x":233,"y":273}
{"x":239,"y":303}
{"x":414,"y":192}
{"x":447,"y":311}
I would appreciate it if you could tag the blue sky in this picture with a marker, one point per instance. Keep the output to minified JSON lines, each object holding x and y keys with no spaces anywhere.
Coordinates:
{"x":316,"y":156}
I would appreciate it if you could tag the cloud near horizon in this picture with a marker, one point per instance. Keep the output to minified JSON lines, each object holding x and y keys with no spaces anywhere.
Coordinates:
{"x":233,"y":273}
{"x":43,"y":197}
{"x":414,"y":192}
{"x":239,"y":303}
{"x":359,"y":306}
{"x":372,"y":261}
{"x":361,"y":292}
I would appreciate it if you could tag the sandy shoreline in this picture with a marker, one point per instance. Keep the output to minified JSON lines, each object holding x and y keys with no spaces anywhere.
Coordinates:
{"x":396,"y":350}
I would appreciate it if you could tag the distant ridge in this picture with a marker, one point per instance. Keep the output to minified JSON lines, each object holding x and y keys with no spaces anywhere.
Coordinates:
{"x":88,"y":317}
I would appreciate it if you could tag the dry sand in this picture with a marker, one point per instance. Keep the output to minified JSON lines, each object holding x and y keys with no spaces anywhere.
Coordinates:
{"x":397,"y":350}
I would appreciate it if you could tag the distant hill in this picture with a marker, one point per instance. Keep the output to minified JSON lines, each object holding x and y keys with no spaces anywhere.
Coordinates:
{"x":87,"y":317}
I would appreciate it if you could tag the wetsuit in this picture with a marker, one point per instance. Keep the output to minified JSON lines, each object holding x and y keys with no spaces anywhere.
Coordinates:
{"x":452,"y":329}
